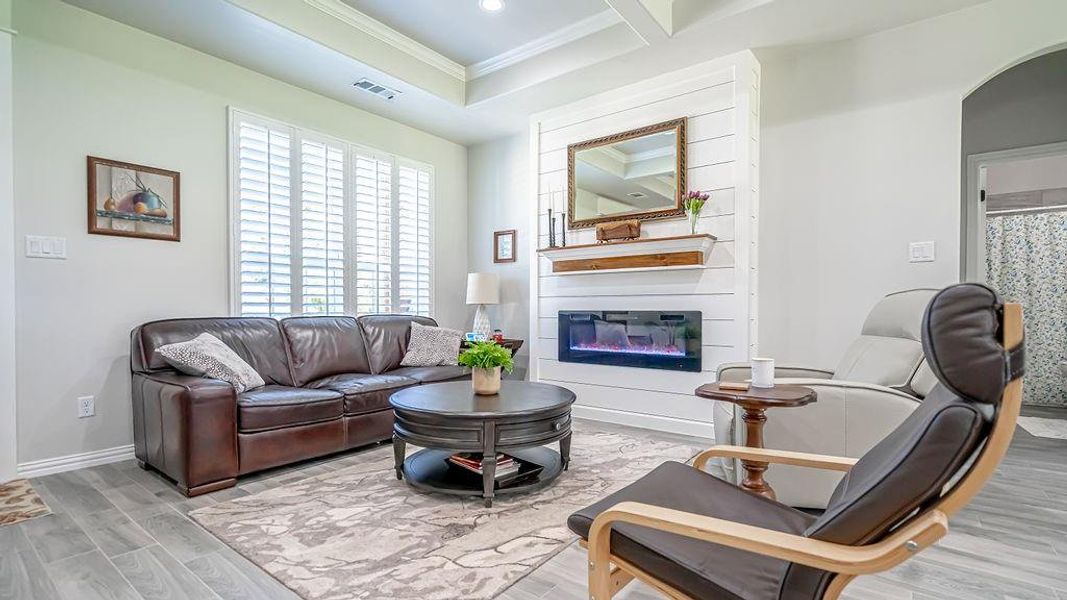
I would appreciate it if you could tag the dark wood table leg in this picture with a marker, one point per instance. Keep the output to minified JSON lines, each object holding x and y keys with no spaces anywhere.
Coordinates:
{"x":754,"y":419}
{"x":489,"y":463}
{"x":398,"y":456}
{"x":565,"y":451}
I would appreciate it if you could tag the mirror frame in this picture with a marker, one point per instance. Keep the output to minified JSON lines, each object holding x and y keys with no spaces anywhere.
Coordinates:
{"x":678,"y":126}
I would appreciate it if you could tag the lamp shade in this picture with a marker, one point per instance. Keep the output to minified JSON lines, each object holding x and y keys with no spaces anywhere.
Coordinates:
{"x":483,"y":288}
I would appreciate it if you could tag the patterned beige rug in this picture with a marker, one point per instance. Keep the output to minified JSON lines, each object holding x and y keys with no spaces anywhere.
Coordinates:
{"x":360,"y":533}
{"x":19,"y":502}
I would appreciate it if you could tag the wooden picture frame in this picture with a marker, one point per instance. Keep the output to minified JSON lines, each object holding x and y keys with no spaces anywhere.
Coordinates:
{"x":678,"y":126}
{"x":130,"y":200}
{"x":504,"y":250}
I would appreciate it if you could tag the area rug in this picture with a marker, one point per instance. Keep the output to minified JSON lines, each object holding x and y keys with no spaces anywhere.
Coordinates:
{"x":19,"y":502}
{"x":360,"y":533}
{"x":1046,"y":428}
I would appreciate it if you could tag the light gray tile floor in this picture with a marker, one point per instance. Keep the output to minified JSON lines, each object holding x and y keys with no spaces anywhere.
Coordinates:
{"x":119,"y":532}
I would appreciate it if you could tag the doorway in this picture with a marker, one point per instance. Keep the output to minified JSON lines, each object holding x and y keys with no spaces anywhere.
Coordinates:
{"x":1019,"y":232}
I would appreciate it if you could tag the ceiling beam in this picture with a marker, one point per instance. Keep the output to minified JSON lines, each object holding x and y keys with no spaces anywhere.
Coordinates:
{"x":651,"y":20}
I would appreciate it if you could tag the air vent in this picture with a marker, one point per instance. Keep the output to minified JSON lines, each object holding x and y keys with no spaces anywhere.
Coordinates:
{"x":637,"y":195}
{"x":377,"y":89}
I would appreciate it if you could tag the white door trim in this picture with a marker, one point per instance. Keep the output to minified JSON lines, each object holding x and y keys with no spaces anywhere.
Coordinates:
{"x":8,"y":442}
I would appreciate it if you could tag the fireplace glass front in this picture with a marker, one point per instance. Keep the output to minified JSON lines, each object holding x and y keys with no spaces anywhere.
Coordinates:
{"x":647,"y":339}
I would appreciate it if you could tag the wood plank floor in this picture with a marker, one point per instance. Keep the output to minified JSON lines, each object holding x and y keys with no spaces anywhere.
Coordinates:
{"x":118,"y":532}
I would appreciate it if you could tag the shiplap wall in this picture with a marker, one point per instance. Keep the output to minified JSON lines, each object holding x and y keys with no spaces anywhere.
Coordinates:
{"x":721,"y":101}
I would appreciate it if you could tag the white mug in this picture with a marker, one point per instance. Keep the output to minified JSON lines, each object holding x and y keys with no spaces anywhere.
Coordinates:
{"x":762,"y":372}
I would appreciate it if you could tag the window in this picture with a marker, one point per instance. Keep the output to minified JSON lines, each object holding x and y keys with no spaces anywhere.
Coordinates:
{"x":326,"y":227}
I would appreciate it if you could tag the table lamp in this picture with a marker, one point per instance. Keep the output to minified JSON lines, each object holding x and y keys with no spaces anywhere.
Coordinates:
{"x":482,"y":289}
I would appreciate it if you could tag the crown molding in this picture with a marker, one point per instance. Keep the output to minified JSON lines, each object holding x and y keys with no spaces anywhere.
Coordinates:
{"x":383,"y":33}
{"x":560,"y":37}
{"x":8,"y":31}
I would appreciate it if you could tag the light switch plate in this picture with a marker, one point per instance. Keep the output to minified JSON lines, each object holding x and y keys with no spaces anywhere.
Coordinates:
{"x":39,"y":246}
{"x":921,"y":252}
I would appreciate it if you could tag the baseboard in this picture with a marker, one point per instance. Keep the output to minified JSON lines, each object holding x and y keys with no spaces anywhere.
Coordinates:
{"x":704,"y":429}
{"x":48,"y":466}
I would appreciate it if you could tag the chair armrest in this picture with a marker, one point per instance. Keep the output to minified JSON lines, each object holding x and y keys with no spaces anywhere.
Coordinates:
{"x":741,"y":371}
{"x":781,"y":457}
{"x":186,"y":427}
{"x":921,"y":533}
{"x":845,"y":386}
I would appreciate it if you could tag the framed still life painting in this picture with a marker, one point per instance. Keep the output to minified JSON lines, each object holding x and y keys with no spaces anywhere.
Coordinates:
{"x":134,"y":200}
{"x":504,"y":246}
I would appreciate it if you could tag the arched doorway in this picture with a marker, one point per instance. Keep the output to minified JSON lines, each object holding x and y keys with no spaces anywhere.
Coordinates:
{"x":1014,"y":207}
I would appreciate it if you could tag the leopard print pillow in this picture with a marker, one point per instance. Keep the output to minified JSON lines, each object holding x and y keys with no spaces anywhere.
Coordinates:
{"x":432,"y":346}
{"x":207,"y":356}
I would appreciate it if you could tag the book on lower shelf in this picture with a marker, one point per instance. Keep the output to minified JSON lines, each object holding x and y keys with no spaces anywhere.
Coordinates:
{"x":505,"y":465}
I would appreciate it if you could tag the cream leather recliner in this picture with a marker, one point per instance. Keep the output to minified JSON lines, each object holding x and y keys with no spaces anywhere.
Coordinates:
{"x":876,"y":385}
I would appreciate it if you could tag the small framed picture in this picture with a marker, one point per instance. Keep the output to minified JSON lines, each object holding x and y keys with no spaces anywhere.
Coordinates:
{"x":504,"y":246}
{"x":134,"y":200}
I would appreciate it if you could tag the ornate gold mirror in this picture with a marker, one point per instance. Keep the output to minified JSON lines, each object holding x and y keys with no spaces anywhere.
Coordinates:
{"x":637,"y":174}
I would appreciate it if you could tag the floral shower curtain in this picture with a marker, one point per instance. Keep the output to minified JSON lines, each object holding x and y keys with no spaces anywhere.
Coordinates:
{"x":1026,"y":261}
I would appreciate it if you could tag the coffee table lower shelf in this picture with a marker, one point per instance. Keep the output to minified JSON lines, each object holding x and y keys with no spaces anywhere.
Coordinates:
{"x":428,"y":470}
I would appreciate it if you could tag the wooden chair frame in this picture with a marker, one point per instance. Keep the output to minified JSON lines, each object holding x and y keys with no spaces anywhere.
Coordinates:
{"x":608,"y":574}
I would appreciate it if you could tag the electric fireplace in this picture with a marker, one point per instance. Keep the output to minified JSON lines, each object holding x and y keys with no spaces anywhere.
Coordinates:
{"x":649,"y":339}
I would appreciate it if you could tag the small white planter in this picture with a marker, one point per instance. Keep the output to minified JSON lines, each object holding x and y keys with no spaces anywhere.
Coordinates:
{"x":486,"y":382}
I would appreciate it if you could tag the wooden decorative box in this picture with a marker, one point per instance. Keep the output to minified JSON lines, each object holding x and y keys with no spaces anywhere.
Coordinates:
{"x":618,"y":230}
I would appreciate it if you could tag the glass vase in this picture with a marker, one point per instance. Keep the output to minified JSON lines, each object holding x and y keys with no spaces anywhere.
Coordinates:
{"x":694,"y":217}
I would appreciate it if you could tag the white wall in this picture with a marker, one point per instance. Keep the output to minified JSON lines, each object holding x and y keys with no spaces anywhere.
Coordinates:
{"x":85,"y":85}
{"x":721,"y":102}
{"x":861,"y":155}
{"x":498,"y":189}
{"x":8,"y":447}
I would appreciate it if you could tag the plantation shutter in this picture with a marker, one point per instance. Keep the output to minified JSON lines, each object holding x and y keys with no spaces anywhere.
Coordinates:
{"x":322,"y":223}
{"x":374,"y":234}
{"x":413,"y":252}
{"x":324,"y":227}
{"x":264,"y":220}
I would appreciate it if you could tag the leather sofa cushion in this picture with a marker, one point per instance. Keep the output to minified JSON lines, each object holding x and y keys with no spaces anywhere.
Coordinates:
{"x":698,"y":568}
{"x":275,"y":406}
{"x":364,"y":393}
{"x":324,"y":346}
{"x":432,"y":374}
{"x":386,"y":338}
{"x":258,"y":341}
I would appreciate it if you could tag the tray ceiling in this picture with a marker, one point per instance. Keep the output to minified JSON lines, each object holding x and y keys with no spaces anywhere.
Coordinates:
{"x":466,"y":34}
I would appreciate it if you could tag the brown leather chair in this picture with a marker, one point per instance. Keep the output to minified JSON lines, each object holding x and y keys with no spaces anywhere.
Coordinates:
{"x":690,"y":535}
{"x":328,"y":382}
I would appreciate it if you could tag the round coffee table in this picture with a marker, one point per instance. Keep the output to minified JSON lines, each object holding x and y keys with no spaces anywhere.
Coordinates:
{"x":445,"y":418}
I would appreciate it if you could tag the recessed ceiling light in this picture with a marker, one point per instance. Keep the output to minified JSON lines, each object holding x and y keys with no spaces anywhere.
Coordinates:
{"x":491,"y":5}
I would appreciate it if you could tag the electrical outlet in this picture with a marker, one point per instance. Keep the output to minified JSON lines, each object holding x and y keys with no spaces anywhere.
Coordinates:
{"x":86,"y":407}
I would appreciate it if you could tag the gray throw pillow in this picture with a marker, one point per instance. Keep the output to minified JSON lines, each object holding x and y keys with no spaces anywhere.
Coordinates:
{"x":432,"y":346}
{"x":207,"y":356}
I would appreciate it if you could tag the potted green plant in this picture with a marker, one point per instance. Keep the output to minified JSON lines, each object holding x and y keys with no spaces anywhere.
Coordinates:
{"x":486,"y":359}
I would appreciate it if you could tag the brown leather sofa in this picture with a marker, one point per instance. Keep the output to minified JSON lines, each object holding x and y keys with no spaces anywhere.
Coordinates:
{"x":328,"y":382}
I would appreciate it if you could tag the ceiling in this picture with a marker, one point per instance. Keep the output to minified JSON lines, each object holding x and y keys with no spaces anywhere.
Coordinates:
{"x":470,"y":76}
{"x":466,"y":34}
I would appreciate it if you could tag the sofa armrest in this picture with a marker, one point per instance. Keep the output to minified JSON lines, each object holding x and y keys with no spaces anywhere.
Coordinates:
{"x":857,"y":388}
{"x":738,"y":372}
{"x":186,"y":427}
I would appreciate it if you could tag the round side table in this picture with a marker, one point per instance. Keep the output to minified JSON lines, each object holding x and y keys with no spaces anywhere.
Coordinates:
{"x":754,"y":403}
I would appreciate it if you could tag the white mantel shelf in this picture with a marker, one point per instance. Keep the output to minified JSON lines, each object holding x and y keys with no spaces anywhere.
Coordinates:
{"x":644,"y":254}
